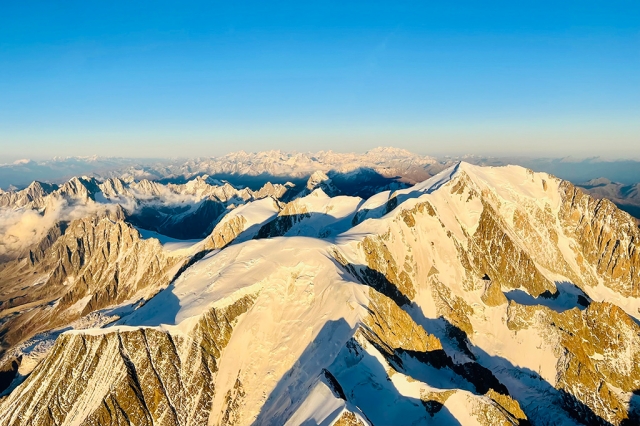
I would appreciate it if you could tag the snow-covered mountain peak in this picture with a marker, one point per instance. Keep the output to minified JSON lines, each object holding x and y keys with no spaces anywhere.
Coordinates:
{"x":320,"y":181}
{"x":388,"y":151}
{"x":315,"y":178}
{"x":481,"y":295}
{"x":599,"y":182}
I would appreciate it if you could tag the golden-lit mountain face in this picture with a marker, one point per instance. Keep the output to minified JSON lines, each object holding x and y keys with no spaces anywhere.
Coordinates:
{"x":482,"y":295}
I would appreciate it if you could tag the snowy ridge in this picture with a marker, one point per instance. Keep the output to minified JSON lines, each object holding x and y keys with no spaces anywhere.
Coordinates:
{"x":479,"y":296}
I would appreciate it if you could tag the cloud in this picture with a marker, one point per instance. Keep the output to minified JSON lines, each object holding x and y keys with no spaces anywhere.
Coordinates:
{"x":20,"y":229}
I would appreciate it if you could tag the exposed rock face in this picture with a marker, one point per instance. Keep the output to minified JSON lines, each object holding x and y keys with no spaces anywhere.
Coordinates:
{"x":626,"y":197}
{"x":380,"y":260}
{"x":246,"y":220}
{"x":147,"y":187}
{"x":292,"y":213}
{"x":390,"y":327}
{"x":493,"y":250}
{"x":276,"y":191}
{"x":598,"y":347}
{"x":96,"y":262}
{"x":315,"y":215}
{"x":114,"y":187}
{"x":481,"y":296}
{"x":38,"y":194}
{"x":356,"y":360}
{"x":493,"y":295}
{"x":142,"y":376}
{"x":348,"y":419}
{"x":82,"y":189}
{"x":31,"y":197}
{"x":608,"y":240}
{"x":225,"y":232}
{"x":319,"y":180}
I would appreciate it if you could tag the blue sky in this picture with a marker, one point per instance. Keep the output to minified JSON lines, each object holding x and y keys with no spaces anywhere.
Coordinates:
{"x":204,"y":78}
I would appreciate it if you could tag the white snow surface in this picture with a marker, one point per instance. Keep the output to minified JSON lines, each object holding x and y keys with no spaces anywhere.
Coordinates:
{"x":330,"y":216}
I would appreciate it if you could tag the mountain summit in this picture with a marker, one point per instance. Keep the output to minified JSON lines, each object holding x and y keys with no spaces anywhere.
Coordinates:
{"x":483,"y":295}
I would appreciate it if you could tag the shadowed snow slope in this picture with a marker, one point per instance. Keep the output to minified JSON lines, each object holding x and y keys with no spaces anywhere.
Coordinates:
{"x":480,"y":296}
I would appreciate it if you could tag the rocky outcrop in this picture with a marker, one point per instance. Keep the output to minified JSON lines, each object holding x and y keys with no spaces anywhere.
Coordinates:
{"x":225,"y":232}
{"x":148,"y":188}
{"x":319,"y":180}
{"x":142,"y":376}
{"x":347,"y":418}
{"x":426,"y":405}
{"x":493,"y":295}
{"x":598,"y":352}
{"x":95,"y":262}
{"x":291,"y":214}
{"x":608,"y":240}
{"x":183,"y":211}
{"x":30,"y":197}
{"x":383,"y":269}
{"x":247,"y":218}
{"x":81,"y":189}
{"x":495,"y":252}
{"x":391,"y":328}
{"x":625,"y":197}
{"x":115,"y":187}
{"x":276,"y":191}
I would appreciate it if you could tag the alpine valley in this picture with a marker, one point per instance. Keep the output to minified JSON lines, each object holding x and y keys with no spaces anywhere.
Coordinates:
{"x":310,"y":290}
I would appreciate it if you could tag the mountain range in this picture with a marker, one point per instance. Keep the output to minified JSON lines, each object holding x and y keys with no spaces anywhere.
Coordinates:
{"x":375,"y":167}
{"x":329,"y":289}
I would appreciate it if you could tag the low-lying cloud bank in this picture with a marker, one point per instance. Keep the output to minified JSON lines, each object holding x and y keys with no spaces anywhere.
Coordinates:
{"x":20,"y":229}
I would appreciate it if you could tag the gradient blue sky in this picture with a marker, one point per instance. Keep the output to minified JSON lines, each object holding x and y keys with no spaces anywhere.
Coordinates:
{"x":183,"y":78}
